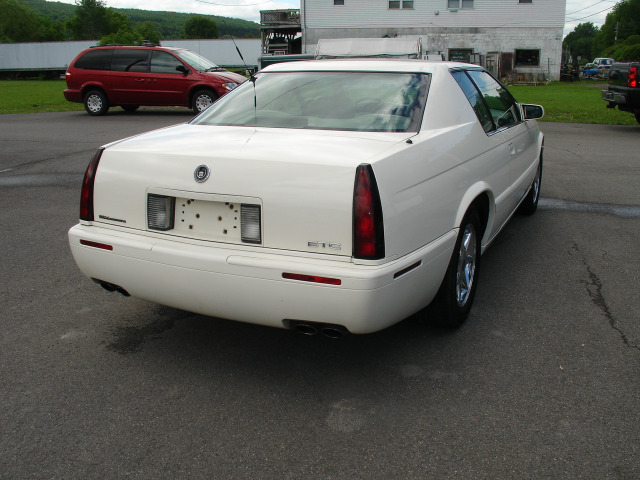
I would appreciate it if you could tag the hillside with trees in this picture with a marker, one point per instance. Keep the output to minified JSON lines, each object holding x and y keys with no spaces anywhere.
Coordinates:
{"x":39,"y":20}
{"x":619,"y":36}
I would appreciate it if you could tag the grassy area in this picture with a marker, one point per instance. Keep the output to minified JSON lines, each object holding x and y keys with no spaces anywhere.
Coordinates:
{"x":31,"y":96}
{"x":578,"y":102}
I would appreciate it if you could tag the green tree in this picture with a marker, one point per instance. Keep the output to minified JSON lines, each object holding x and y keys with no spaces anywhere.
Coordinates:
{"x":121,"y":37}
{"x":19,"y":23}
{"x":200,"y":27}
{"x":125,"y":35}
{"x":580,"y":41}
{"x":149,"y":31}
{"x":626,"y":50}
{"x":91,"y":21}
{"x":622,"y":22}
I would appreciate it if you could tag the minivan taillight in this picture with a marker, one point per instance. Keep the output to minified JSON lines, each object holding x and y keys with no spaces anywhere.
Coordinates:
{"x":368,"y":226}
{"x":86,"y":195}
{"x":633,"y":77}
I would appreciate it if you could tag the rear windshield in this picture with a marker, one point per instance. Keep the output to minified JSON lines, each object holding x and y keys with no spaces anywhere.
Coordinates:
{"x":356,"y":101}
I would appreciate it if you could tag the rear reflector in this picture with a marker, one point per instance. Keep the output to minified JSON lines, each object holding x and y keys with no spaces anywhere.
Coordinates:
{"x":368,"y":227}
{"x":160,"y":212}
{"x":250,"y":223}
{"x":89,"y":243}
{"x":312,"y":278}
{"x":407,"y":270}
{"x":86,"y":194}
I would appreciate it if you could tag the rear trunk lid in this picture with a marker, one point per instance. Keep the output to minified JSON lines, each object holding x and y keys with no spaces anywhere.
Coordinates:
{"x":302,"y":182}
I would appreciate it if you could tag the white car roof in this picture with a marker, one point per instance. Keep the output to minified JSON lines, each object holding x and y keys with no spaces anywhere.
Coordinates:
{"x":366,"y":65}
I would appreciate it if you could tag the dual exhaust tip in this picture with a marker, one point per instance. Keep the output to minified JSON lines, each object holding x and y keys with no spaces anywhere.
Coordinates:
{"x":111,"y":287}
{"x":311,"y":328}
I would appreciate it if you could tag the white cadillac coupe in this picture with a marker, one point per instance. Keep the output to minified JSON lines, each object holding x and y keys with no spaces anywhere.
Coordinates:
{"x":328,"y":196}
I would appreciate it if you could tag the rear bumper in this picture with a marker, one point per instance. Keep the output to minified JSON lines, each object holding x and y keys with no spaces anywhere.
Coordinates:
{"x":249,"y":287}
{"x":72,"y":95}
{"x":614,"y":97}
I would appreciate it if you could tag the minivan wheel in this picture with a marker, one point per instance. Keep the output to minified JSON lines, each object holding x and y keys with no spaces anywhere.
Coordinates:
{"x":202,"y":100}
{"x":453,"y":302}
{"x":96,"y":102}
{"x":637,"y":114}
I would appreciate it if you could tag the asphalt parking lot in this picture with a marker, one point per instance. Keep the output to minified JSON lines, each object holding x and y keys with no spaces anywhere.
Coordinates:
{"x":543,"y":381}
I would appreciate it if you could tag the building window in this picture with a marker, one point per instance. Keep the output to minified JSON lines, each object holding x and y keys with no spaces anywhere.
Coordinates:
{"x":338,"y":2}
{"x":460,"y":54}
{"x":456,"y":4}
{"x":396,"y":4}
{"x":527,"y":58}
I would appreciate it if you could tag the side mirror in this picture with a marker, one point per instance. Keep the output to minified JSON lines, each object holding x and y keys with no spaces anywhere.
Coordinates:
{"x":182,"y":69}
{"x":531,"y":112}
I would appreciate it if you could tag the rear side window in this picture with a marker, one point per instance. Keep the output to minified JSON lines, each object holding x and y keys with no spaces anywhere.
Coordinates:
{"x":499,"y":108}
{"x":130,"y":60}
{"x":163,"y":62}
{"x":95,"y":60}
{"x":475,"y":99}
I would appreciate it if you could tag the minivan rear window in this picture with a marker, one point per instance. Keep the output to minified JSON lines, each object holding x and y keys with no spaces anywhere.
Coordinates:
{"x":95,"y":60}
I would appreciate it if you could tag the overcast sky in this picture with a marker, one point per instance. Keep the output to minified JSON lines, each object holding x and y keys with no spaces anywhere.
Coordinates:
{"x":578,"y":11}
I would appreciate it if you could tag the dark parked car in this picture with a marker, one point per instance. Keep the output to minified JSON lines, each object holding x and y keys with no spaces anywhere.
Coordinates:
{"x":127,"y":76}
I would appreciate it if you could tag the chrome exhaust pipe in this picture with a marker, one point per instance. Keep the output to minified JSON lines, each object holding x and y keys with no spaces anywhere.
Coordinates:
{"x":333,"y":331}
{"x":312,"y":328}
{"x":306,"y":329}
{"x":111,"y":287}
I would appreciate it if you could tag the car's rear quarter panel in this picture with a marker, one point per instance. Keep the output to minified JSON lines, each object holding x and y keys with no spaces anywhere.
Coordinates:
{"x":427,"y":185}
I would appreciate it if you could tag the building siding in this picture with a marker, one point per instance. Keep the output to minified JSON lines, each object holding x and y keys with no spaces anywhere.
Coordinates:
{"x":484,"y":14}
{"x":490,"y":27}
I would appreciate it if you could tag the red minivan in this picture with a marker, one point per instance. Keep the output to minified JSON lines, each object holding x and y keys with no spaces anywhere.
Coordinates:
{"x":130,"y":76}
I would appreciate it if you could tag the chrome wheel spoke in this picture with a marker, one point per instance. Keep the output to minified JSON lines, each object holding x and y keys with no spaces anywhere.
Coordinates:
{"x":466,"y":265}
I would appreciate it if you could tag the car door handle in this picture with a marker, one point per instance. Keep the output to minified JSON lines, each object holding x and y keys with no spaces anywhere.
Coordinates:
{"x":512,"y":150}
{"x":139,"y":80}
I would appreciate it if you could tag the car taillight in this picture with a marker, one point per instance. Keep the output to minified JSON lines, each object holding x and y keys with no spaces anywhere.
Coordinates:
{"x":86,"y":195}
{"x":368,"y":226}
{"x":633,"y":77}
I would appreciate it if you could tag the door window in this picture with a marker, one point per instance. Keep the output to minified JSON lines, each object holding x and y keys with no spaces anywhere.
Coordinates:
{"x":502,"y":106}
{"x":163,"y":62}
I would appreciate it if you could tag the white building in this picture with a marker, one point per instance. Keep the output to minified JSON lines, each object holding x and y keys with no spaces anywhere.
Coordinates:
{"x":505,"y":36}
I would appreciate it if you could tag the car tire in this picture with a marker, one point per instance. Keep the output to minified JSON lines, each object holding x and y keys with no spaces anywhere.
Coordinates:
{"x":637,"y":115}
{"x":453,"y":301}
{"x":202,"y":100}
{"x":130,"y":108}
{"x":96,"y":102}
{"x":530,"y":203}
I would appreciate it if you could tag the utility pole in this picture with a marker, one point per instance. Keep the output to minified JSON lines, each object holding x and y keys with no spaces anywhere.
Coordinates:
{"x":617,"y":27}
